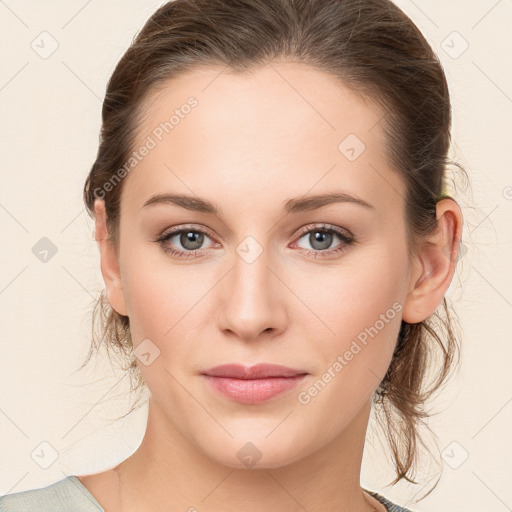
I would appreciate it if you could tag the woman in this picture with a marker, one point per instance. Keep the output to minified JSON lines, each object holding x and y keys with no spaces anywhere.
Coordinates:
{"x":275,"y":240}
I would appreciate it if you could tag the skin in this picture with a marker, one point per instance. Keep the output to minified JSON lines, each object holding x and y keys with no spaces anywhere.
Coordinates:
{"x":252,"y":143}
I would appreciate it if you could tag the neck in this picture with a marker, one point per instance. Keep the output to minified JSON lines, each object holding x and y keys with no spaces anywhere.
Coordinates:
{"x":167,"y":472}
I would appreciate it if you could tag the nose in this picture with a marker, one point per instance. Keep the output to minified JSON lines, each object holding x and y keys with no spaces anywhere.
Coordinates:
{"x":252,"y":300}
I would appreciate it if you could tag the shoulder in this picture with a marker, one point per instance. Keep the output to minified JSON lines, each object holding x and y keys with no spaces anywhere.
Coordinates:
{"x":67,"y":493}
{"x":390,"y":506}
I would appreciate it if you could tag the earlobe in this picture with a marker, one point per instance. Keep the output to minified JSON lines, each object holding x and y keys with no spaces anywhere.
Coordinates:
{"x":436,"y":264}
{"x":109,"y":260}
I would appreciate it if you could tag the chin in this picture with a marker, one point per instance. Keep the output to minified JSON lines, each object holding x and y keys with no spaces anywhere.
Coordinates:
{"x":260,"y":451}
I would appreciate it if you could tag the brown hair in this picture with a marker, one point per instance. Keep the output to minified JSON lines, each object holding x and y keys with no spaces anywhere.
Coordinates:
{"x":375,"y":50}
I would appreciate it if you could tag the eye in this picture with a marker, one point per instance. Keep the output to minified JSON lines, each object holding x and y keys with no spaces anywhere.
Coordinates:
{"x":320,"y":238}
{"x":190,"y":239}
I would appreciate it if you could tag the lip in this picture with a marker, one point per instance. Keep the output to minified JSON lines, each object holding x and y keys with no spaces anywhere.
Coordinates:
{"x":255,"y":384}
{"x":258,"y":371}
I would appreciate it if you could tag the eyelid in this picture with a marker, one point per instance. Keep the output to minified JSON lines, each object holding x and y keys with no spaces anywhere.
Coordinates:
{"x":345,"y":235}
{"x":327,"y":227}
{"x":187,"y":227}
{"x":303,"y":230}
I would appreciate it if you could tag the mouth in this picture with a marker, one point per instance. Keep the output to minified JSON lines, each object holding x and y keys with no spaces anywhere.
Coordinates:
{"x":255,"y":384}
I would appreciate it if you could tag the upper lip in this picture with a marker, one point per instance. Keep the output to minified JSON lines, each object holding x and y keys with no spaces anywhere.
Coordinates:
{"x":258,"y":371}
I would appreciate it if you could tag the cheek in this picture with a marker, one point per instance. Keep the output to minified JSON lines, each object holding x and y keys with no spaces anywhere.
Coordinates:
{"x":363,"y":309}
{"x":357,"y":313}
{"x":158,"y":292}
{"x":161,"y":302}
{"x":168,"y":303}
{"x":358,"y":300}
{"x":346,"y":299}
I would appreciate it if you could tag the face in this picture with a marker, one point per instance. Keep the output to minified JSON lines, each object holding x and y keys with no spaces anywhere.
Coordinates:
{"x":273,"y":275}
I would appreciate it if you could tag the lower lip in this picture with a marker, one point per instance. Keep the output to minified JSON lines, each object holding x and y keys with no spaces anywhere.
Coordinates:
{"x":254,"y":391}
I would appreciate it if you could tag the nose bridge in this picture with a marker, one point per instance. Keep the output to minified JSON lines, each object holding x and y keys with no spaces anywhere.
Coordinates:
{"x":252,"y":302}
{"x":250,"y":284}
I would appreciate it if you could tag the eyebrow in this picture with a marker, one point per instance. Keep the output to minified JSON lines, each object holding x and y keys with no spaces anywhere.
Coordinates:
{"x":300,"y":204}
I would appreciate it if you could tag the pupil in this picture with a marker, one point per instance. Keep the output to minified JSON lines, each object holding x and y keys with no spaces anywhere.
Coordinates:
{"x":191,"y":240}
{"x":320,"y":239}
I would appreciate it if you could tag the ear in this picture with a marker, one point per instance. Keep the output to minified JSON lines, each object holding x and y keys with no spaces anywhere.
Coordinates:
{"x":435,"y":264}
{"x":109,"y":260}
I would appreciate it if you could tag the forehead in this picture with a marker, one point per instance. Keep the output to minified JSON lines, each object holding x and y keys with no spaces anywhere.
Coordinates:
{"x":284,"y":126}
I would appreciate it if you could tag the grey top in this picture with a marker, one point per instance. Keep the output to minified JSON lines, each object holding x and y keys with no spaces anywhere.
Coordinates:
{"x":69,"y":494}
{"x":66,"y":495}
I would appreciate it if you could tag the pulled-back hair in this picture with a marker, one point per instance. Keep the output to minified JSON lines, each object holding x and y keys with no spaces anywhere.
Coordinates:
{"x":380,"y":55}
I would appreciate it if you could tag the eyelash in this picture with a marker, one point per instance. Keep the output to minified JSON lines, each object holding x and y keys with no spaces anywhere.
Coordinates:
{"x":346,"y":239}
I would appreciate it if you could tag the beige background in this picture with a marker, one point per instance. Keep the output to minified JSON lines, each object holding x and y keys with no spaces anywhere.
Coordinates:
{"x":55,"y":422}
